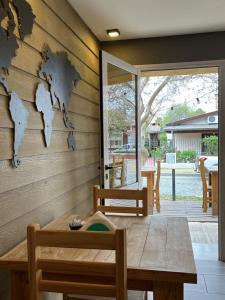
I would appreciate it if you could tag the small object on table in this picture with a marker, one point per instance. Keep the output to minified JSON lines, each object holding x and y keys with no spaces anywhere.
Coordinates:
{"x":76,"y":224}
{"x":99,"y":222}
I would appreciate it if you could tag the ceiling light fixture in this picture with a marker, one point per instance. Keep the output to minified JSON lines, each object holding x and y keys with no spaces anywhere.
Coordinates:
{"x":113,"y":32}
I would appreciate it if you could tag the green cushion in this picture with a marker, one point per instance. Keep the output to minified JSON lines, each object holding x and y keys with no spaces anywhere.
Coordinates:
{"x":98,"y":227}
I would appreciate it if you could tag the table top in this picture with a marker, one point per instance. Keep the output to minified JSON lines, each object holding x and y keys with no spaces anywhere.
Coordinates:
{"x":147,"y":172}
{"x":212,"y":169}
{"x":158,"y":248}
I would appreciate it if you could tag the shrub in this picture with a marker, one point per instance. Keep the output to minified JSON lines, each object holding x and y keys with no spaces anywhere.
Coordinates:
{"x":158,"y":153}
{"x":186,"y":156}
{"x":211,"y":143}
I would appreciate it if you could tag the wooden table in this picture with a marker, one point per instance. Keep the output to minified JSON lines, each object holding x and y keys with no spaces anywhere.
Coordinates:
{"x":160,"y":257}
{"x":213,"y":181}
{"x":149,"y":174}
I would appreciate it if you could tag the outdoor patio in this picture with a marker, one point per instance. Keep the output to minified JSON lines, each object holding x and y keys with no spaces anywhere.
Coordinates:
{"x":186,"y":208}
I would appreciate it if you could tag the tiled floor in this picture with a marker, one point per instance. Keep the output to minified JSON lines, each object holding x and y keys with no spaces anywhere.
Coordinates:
{"x":211,"y":281}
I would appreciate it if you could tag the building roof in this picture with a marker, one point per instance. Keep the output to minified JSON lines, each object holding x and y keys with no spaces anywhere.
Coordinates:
{"x":190,"y":128}
{"x":197,"y":123}
{"x":182,"y":121}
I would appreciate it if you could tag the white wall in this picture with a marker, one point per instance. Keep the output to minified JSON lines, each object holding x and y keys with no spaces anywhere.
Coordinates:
{"x":188,"y":141}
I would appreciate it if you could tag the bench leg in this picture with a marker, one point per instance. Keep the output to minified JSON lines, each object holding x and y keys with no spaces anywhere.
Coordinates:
{"x":167,"y":291}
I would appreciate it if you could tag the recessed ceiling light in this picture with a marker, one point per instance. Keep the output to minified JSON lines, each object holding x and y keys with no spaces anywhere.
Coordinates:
{"x":113,"y":32}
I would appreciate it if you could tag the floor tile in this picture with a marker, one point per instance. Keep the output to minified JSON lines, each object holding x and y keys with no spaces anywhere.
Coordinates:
{"x":190,"y":295}
{"x":215,"y":284}
{"x":210,"y":267}
{"x":205,"y":251}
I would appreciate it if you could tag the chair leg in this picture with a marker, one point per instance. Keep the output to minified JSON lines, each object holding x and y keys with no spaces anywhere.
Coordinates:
{"x":205,"y":204}
{"x":157,"y":202}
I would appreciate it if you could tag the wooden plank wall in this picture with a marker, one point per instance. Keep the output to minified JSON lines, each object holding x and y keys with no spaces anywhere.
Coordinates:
{"x":54,"y":180}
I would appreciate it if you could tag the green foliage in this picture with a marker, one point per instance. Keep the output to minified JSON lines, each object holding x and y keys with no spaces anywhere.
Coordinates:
{"x":211,"y":144}
{"x":163,"y":139}
{"x":157,"y":153}
{"x":160,"y":152}
{"x":117,"y":120}
{"x":179,"y":112}
{"x":186,"y":156}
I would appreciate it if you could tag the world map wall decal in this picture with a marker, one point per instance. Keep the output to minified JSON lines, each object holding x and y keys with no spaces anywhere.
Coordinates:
{"x":56,"y":69}
{"x":9,"y":10}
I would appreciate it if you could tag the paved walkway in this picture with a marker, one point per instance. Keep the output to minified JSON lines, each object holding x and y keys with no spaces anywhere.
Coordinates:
{"x":187,"y":185}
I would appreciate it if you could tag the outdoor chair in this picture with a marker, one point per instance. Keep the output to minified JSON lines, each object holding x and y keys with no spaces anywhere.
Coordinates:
{"x":156,"y":187}
{"x":206,"y":189}
{"x":85,"y":240}
{"x":118,"y":194}
{"x":118,"y":166}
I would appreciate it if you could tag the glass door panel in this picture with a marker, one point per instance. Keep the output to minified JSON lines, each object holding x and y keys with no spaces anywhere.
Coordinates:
{"x":119,"y":124}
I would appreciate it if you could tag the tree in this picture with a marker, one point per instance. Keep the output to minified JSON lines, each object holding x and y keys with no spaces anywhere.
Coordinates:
{"x":179,"y":112}
{"x":211,"y":143}
{"x":157,"y":93}
{"x":116,"y":121}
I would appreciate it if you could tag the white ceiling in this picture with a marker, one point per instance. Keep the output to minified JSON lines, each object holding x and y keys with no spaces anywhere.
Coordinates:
{"x":151,"y":18}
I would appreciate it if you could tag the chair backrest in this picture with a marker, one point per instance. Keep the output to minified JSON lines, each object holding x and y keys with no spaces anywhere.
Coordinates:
{"x":119,"y":194}
{"x":116,"y":240}
{"x":158,"y":174}
{"x":118,"y":164}
{"x":202,"y":172}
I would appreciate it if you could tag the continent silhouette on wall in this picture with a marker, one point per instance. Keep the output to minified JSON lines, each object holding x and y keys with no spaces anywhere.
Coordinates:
{"x":19,"y":116}
{"x":25,"y":17}
{"x":44,"y":105}
{"x":14,"y":12}
{"x":61,"y":76}
{"x":71,"y":141}
{"x":8,"y":41}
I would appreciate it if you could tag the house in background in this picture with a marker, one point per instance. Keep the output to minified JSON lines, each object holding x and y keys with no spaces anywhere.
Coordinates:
{"x":153,"y":131}
{"x":187,"y":134}
{"x":125,"y":139}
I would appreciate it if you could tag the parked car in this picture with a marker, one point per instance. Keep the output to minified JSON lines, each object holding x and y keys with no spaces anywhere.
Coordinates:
{"x":127,"y":148}
{"x":210,"y":161}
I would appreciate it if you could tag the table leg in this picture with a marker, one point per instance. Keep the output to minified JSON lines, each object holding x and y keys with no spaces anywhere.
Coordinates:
{"x":214,"y":182}
{"x":19,"y":286}
{"x":167,"y":291}
{"x":150,"y":191}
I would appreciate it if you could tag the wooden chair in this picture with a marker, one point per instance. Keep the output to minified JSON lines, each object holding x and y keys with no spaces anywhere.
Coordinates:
{"x":84,"y":240}
{"x":118,"y":165}
{"x":156,"y":188}
{"x":206,"y":189}
{"x":118,"y":194}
